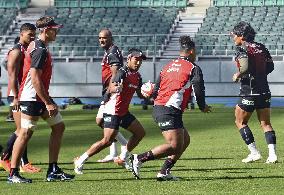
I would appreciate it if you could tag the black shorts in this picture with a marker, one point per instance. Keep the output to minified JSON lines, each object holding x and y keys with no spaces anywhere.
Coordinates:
{"x":250,"y":103}
{"x":114,"y":121}
{"x":33,"y":108}
{"x":167,"y":117}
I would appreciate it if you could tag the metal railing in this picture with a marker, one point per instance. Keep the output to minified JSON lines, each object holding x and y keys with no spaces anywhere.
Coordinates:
{"x":88,"y":45}
{"x":246,"y":3}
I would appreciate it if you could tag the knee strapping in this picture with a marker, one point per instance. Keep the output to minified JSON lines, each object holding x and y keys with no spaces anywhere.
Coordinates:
{"x":28,"y":124}
{"x":54,"y":119}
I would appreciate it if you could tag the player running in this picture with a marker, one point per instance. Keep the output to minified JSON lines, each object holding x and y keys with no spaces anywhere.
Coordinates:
{"x":126,"y":82}
{"x":172,"y":92}
{"x":254,"y":64}
{"x":111,"y":62}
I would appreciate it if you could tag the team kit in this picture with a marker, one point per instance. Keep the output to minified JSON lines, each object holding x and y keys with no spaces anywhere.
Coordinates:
{"x":29,"y":65}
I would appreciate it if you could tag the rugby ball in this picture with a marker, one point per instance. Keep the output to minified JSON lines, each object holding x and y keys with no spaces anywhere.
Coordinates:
{"x":147,"y":89}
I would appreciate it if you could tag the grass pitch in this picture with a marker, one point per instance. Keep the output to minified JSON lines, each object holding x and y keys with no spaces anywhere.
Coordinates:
{"x":211,"y":164}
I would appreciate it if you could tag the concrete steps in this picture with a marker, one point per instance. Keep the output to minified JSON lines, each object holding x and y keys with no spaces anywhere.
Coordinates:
{"x":29,"y":16}
{"x":189,"y":24}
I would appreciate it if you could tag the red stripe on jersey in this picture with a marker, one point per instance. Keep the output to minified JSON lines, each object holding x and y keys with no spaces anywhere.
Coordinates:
{"x":27,"y":91}
{"x":119,"y":102}
{"x":175,"y":87}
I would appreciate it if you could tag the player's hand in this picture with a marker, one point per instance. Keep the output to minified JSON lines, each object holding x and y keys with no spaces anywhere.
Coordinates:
{"x":236,"y":77}
{"x":52,"y":109}
{"x":119,"y":86}
{"x":207,"y":109}
{"x":16,"y":105}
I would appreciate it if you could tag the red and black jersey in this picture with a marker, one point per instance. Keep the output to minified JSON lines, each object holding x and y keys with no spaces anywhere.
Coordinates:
{"x":38,"y":57}
{"x":175,"y":82}
{"x":112,"y":57}
{"x":22,"y":49}
{"x":260,"y":64}
{"x":119,"y":102}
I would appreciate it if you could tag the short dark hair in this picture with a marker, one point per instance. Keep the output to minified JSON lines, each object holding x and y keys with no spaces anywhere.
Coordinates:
{"x":27,"y":26}
{"x":186,"y":43}
{"x":244,"y":29}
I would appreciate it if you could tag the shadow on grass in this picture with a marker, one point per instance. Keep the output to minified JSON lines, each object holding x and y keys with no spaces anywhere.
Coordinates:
{"x":207,"y":158}
{"x":233,"y":178}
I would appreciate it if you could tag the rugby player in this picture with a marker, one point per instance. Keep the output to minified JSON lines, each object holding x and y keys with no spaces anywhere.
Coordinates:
{"x":172,"y":92}
{"x":111,"y":62}
{"x":15,"y":64}
{"x":35,"y":102}
{"x":254,"y":64}
{"x":126,"y":82}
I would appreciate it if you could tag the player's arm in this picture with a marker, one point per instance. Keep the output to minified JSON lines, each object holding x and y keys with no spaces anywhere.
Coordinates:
{"x":242,"y":58}
{"x":269,"y":62}
{"x":113,"y":85}
{"x":199,"y":89}
{"x":156,"y":88}
{"x":13,"y":71}
{"x":116,"y":83}
{"x":138,"y":90}
{"x":39,"y":57}
{"x":115,"y":65}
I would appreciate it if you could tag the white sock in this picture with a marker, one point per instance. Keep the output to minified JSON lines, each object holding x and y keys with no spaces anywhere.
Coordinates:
{"x":113,"y":149}
{"x":83,"y":158}
{"x":272,"y":149}
{"x":252,"y":148}
{"x":123,"y":153}
{"x":119,"y":137}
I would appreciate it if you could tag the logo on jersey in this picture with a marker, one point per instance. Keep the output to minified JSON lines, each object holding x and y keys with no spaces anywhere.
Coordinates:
{"x":133,"y":86}
{"x":174,"y":68}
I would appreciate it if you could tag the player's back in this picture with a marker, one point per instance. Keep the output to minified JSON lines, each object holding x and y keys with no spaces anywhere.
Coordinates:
{"x":175,"y":84}
{"x":256,"y":81}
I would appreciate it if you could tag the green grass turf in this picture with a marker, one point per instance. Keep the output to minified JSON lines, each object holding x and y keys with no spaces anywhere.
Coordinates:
{"x":211,"y":165}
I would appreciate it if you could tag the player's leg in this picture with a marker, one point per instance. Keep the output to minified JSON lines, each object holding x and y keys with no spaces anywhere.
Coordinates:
{"x":28,"y":125}
{"x":264,"y":120}
{"x":57,"y":129}
{"x":110,"y":132}
{"x":5,"y":156}
{"x":130,"y":123}
{"x":26,"y":166}
{"x":113,"y":147}
{"x":174,"y":145}
{"x":243,"y":112}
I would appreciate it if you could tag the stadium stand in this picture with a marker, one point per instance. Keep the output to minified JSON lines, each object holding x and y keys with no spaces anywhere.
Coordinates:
{"x":145,"y":28}
{"x":6,"y":18}
{"x":120,"y":3}
{"x":265,"y":16}
{"x":14,"y":3}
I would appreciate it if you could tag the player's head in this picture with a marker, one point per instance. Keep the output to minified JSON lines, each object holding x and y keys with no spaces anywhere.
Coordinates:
{"x":27,"y":33}
{"x":48,"y":28}
{"x":243,"y":32}
{"x":105,"y":38}
{"x":134,"y":59}
{"x":187,"y":48}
